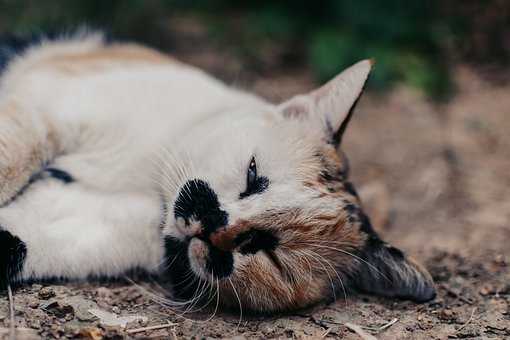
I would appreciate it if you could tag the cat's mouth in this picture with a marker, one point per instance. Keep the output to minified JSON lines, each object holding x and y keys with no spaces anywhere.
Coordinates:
{"x":197,"y":260}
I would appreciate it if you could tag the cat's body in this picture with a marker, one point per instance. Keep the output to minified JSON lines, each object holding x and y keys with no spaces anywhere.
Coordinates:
{"x":104,"y":115}
{"x":117,"y":157}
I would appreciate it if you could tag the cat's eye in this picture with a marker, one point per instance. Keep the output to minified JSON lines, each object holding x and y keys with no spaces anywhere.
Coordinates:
{"x":251,"y":176}
{"x":255,"y":184}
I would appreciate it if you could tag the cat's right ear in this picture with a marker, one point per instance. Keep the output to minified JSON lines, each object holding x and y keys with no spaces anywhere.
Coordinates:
{"x":334,"y":102}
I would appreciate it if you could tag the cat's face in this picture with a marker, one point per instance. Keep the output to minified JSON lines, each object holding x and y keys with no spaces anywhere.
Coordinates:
{"x":260,"y":214}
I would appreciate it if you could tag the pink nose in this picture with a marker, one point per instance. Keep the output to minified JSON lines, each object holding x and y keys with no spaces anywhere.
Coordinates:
{"x":224,"y":239}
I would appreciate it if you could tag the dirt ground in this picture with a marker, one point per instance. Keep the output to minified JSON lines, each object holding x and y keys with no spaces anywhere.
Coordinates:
{"x":435,"y":180}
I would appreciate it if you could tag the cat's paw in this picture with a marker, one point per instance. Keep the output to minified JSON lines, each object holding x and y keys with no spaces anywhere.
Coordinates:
{"x":12,"y":257}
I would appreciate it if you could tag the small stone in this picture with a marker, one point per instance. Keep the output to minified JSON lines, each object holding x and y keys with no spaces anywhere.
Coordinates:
{"x":60,"y":310}
{"x":469,"y":331}
{"x":500,"y":260}
{"x":46,"y":293}
{"x":81,"y":307}
{"x":487,"y":289}
{"x":33,"y":304}
{"x":116,"y":310}
{"x":447,"y":312}
{"x":447,"y":315}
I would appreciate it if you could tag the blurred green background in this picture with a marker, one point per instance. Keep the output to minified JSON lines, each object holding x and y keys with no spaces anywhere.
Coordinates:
{"x":415,"y":42}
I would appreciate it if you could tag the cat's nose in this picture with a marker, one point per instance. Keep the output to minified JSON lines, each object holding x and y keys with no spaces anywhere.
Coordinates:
{"x":224,"y":239}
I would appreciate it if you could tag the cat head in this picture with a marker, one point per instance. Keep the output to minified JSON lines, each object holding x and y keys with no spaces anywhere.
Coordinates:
{"x":260,"y":213}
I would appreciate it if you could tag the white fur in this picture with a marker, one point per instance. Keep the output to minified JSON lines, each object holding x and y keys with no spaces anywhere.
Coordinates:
{"x":131,"y":134}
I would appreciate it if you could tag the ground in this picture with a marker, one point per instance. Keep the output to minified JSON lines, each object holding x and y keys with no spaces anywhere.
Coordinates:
{"x":433,"y":177}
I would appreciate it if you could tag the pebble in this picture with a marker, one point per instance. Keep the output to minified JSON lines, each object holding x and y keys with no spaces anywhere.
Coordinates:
{"x":46,"y":293}
{"x":60,"y":310}
{"x":33,"y":304}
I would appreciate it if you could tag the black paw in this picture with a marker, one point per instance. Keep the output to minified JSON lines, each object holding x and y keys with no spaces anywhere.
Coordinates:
{"x":12,"y":257}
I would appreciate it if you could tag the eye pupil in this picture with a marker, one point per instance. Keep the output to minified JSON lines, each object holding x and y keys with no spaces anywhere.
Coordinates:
{"x":254,"y":183}
{"x":252,"y":173}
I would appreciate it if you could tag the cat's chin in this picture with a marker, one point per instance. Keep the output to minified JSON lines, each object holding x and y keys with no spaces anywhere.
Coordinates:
{"x":194,"y":265}
{"x":198,"y":253}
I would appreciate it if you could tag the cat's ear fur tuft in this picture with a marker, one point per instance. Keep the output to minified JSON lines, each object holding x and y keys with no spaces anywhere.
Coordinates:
{"x":333,"y":102}
{"x":386,"y":271}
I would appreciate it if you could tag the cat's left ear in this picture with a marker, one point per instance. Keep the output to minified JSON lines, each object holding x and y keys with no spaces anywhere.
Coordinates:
{"x":334,"y":102}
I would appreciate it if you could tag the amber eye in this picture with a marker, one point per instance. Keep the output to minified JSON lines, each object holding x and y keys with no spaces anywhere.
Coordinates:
{"x":254,"y":183}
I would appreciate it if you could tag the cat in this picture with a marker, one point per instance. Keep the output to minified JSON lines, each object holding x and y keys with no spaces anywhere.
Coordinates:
{"x":115,"y":157}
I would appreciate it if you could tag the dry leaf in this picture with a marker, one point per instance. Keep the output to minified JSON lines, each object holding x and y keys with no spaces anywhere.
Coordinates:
{"x":113,"y":320}
{"x":92,"y":333}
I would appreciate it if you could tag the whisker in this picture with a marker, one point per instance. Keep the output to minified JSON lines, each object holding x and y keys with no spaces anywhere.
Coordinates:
{"x":217,"y":300}
{"x":239,"y":300}
{"x":349,"y":254}
{"x":336,"y":273}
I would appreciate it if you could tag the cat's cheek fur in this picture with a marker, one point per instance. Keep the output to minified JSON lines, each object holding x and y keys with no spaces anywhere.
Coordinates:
{"x":262,"y":288}
{"x":13,"y":252}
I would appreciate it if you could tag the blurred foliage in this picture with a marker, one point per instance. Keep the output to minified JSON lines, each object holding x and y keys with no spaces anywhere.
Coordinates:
{"x":411,"y":41}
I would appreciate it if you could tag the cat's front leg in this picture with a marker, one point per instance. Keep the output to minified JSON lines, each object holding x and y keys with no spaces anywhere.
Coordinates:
{"x":59,"y":230}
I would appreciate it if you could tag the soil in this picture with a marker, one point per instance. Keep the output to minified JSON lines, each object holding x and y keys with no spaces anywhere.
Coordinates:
{"x":435,"y":180}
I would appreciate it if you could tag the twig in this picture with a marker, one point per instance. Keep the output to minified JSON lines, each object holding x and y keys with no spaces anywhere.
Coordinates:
{"x":150,"y":328}
{"x":467,"y":322}
{"x":325,"y":334}
{"x":383,"y":327}
{"x":388,"y":325}
{"x":358,"y":330}
{"x":12,"y":329}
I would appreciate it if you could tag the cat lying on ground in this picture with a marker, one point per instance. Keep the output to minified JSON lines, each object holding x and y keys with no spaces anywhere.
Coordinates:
{"x":115,"y":157}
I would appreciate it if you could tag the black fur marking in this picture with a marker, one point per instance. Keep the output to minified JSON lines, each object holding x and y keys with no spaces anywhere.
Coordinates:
{"x":260,"y":185}
{"x":219,"y":262}
{"x":12,"y":257}
{"x":330,"y":172}
{"x":385,"y":270}
{"x":60,"y":175}
{"x":330,"y":132}
{"x":395,"y":252}
{"x":254,"y":240}
{"x":198,"y":201}
{"x":356,"y":214}
{"x":390,"y":274}
{"x":366,"y":225}
{"x":325,"y":175}
{"x":177,"y":268}
{"x":350,"y":189}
